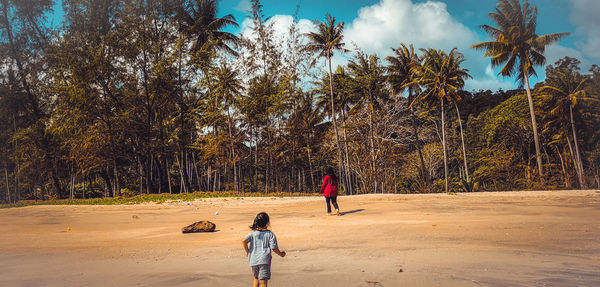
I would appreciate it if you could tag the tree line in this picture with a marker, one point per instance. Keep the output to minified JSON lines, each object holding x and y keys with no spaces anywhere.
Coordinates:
{"x":131,"y":97}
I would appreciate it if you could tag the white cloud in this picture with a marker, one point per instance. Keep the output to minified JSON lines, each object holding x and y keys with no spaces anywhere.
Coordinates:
{"x":281,"y":26}
{"x":585,"y":16}
{"x":379,"y":27}
{"x":391,"y":22}
{"x":243,"y":6}
{"x":490,"y":81}
{"x":388,"y":23}
{"x":556,"y":52}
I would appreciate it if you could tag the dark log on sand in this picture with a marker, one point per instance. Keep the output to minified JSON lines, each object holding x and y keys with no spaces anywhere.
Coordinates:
{"x":200,"y":226}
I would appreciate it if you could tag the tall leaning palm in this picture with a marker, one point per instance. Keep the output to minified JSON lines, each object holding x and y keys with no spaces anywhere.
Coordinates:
{"x":325,"y":41}
{"x":442,"y":77}
{"x":568,"y":87}
{"x":401,"y":75}
{"x":517,"y":46}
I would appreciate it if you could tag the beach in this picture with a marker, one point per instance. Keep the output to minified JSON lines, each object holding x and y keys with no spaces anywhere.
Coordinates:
{"x":526,"y":238}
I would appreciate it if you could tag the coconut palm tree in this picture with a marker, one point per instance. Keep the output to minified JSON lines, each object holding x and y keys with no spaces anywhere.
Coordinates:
{"x":306,"y":120}
{"x":226,"y":85}
{"x":328,"y":39}
{"x":441,"y":78}
{"x":198,"y":20}
{"x":401,"y":75}
{"x":567,"y":87}
{"x":455,"y":98}
{"x":516,"y":45}
{"x":345,"y":101}
{"x":369,"y":80}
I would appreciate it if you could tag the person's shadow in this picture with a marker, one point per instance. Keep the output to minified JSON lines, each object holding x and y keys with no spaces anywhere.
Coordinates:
{"x":351,"y":211}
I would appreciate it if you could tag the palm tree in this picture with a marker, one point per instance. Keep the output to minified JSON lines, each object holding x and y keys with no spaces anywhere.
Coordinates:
{"x":401,"y":75}
{"x":369,"y":83}
{"x":306,"y":119}
{"x":568,"y":87}
{"x":328,"y":39}
{"x":441,"y":78}
{"x":515,"y":41}
{"x":198,"y":20}
{"x":455,"y":98}
{"x":344,"y":102}
{"x":226,"y":85}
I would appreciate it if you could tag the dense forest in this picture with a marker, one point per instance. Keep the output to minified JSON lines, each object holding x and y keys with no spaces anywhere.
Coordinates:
{"x":132,"y":97}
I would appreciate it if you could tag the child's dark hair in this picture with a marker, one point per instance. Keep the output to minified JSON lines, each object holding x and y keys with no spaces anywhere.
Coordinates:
{"x":260,"y":221}
{"x":329,"y":171}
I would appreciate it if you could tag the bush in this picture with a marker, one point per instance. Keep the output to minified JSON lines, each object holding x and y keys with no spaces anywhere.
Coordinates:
{"x":126,"y":192}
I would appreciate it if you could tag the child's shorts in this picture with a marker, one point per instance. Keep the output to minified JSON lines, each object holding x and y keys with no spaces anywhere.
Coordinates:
{"x":262,"y":271}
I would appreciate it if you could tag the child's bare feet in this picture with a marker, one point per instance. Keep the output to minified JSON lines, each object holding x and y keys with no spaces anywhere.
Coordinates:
{"x":337,"y":211}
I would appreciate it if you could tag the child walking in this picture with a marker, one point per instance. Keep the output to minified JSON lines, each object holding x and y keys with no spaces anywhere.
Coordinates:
{"x":258,"y":245}
{"x":329,"y":189}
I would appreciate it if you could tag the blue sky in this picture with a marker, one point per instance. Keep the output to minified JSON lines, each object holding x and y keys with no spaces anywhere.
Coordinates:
{"x":377,"y":25}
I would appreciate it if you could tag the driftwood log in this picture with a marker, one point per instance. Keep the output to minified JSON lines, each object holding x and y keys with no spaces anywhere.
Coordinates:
{"x":200,"y":226}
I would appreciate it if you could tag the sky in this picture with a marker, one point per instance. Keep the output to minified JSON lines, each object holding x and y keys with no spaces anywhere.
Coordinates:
{"x":375,"y":26}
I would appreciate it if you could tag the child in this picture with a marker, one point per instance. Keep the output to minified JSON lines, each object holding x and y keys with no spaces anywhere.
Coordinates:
{"x":258,"y":245}
{"x":329,"y":189}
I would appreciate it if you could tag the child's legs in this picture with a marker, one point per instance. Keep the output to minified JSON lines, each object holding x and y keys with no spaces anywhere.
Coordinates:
{"x":327,"y":199}
{"x":262,"y":274}
{"x":334,"y":202}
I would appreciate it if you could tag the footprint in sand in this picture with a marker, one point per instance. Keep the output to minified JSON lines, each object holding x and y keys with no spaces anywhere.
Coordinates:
{"x":370,"y":283}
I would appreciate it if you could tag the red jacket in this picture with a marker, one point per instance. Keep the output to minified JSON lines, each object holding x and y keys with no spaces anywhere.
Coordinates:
{"x":329,"y":188}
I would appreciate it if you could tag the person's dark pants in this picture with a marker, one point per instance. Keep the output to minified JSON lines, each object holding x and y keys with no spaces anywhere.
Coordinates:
{"x":333,"y":200}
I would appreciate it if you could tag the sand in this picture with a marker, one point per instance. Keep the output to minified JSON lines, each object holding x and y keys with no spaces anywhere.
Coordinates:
{"x":533,"y":238}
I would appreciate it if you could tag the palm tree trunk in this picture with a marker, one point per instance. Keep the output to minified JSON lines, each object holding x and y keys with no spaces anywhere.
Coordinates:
{"x":417,"y":142}
{"x":536,"y":138}
{"x":562,"y":165}
{"x":347,"y":159}
{"x":72,"y":189}
{"x":255,"y":161}
{"x":141,"y":174}
{"x":235,"y":181}
{"x":572,"y":153}
{"x":168,"y":168}
{"x":444,"y":145}
{"x":462,"y":138}
{"x":312,"y":178}
{"x":17,"y":194}
{"x":182,"y":188}
{"x":337,"y":137}
{"x":577,"y":154}
{"x":372,"y":143}
{"x":198,"y":180}
{"x":7,"y":185}
{"x":116,"y":174}
{"x":208,"y":176}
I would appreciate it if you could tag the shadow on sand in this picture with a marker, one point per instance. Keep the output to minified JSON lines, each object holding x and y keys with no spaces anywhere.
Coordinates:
{"x":351,"y":211}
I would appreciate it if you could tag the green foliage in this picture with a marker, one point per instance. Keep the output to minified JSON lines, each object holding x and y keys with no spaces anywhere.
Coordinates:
{"x":161,"y":198}
{"x":128,"y":193}
{"x":469,"y":186}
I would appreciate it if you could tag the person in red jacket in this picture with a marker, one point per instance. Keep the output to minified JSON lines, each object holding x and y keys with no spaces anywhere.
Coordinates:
{"x":329,"y":189}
